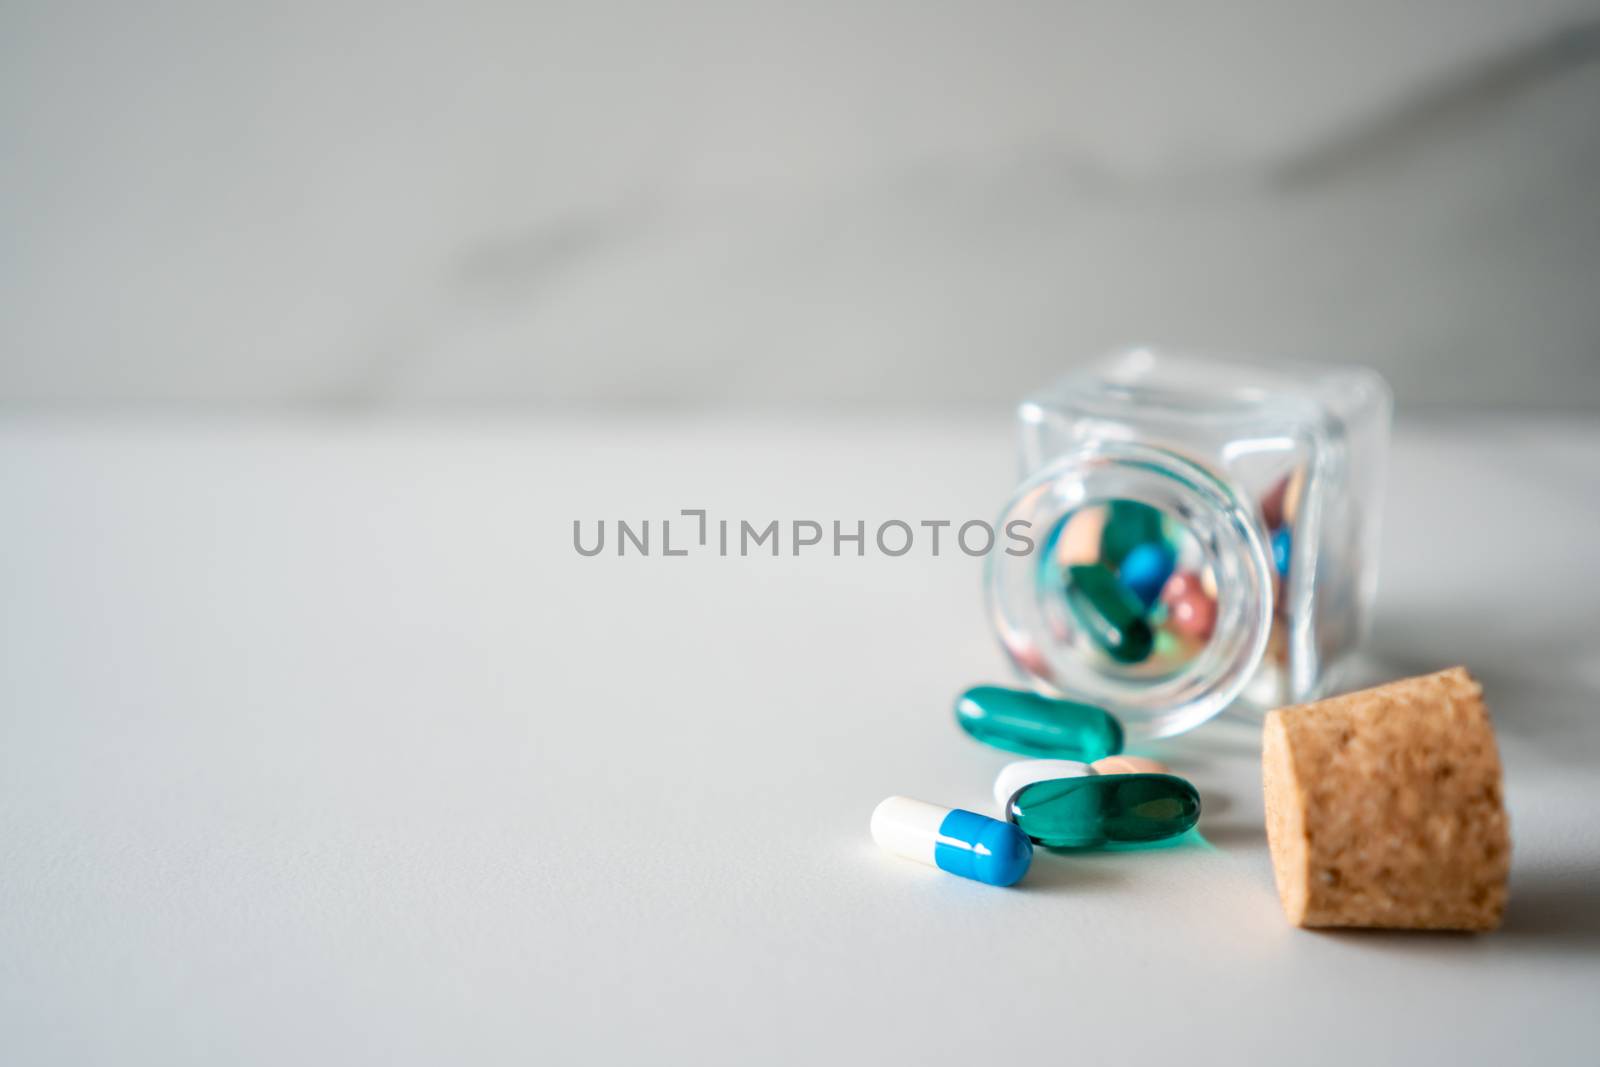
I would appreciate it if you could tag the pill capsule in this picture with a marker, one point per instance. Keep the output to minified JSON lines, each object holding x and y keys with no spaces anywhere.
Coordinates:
{"x":1146,"y":569}
{"x":1272,"y":503}
{"x":1080,"y":537}
{"x":1013,"y":776}
{"x":1127,"y":765}
{"x":1105,"y":809}
{"x":1193,"y":615}
{"x":961,"y":842}
{"x":1180,"y":584}
{"x":1282,"y":542}
{"x":1035,"y":725}
{"x":1171,"y":651}
{"x":1293,"y":494}
{"x":1109,"y":613}
{"x":1129,"y":524}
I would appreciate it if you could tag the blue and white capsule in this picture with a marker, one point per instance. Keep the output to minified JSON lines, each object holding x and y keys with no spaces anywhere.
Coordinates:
{"x":951,"y":839}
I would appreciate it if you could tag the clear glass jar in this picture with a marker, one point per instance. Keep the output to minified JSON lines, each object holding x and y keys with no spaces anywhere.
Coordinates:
{"x":1204,"y":532}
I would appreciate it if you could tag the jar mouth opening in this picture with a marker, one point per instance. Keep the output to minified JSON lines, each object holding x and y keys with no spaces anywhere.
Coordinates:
{"x":1099,"y":611}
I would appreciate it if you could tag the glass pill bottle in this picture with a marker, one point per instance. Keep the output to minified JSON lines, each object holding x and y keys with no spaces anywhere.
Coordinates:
{"x":1204,"y":534}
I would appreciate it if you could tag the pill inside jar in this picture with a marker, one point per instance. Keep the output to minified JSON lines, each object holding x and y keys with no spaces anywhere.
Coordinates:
{"x":1205,"y":536}
{"x":1127,"y":584}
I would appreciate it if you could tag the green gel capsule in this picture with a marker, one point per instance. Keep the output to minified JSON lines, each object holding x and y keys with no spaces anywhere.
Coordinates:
{"x":1129,"y":524}
{"x":1109,"y":613}
{"x":1105,"y":809}
{"x":1035,"y":725}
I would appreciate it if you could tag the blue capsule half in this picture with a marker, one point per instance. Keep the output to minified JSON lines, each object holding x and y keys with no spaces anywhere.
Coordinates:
{"x":1282,"y":546}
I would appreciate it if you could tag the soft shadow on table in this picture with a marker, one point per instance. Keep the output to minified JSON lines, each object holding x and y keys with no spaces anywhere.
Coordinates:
{"x":1551,"y":911}
{"x":1538,"y":679}
{"x":1235,"y":835}
{"x":1558,"y":909}
{"x":1553,"y":916}
{"x":1103,"y":868}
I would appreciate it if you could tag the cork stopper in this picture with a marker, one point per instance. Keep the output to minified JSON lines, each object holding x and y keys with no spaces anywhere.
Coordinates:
{"x":1384,"y":807}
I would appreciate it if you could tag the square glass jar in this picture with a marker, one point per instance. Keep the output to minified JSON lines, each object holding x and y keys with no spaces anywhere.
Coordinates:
{"x":1258,"y":485}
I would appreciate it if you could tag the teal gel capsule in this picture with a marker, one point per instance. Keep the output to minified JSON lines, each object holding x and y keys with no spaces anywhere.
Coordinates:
{"x":1035,"y":725}
{"x":1109,"y":613}
{"x":1105,"y":809}
{"x":1129,"y":523}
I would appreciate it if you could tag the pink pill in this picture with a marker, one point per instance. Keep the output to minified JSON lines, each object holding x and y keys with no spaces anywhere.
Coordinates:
{"x":1179,"y":585}
{"x":1193,"y":615}
{"x":1282,"y":501}
{"x":1128,"y":765}
{"x":1080,"y":538}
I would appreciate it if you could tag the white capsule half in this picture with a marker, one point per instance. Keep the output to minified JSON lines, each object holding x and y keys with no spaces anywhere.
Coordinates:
{"x":961,"y":842}
{"x":1013,"y":776}
{"x":908,"y":828}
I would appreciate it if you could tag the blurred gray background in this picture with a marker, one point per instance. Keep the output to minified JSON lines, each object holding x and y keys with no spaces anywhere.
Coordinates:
{"x":357,"y":204}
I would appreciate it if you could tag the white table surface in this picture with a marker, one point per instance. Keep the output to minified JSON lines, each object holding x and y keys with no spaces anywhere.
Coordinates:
{"x":319,"y":743}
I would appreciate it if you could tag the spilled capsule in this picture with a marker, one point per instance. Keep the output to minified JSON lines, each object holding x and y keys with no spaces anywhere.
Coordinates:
{"x":1013,"y":776}
{"x":1105,"y":809}
{"x":961,"y":842}
{"x":1034,"y":725}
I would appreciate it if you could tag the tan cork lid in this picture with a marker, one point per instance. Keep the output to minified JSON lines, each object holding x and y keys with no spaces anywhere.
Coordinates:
{"x":1384,"y":807}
